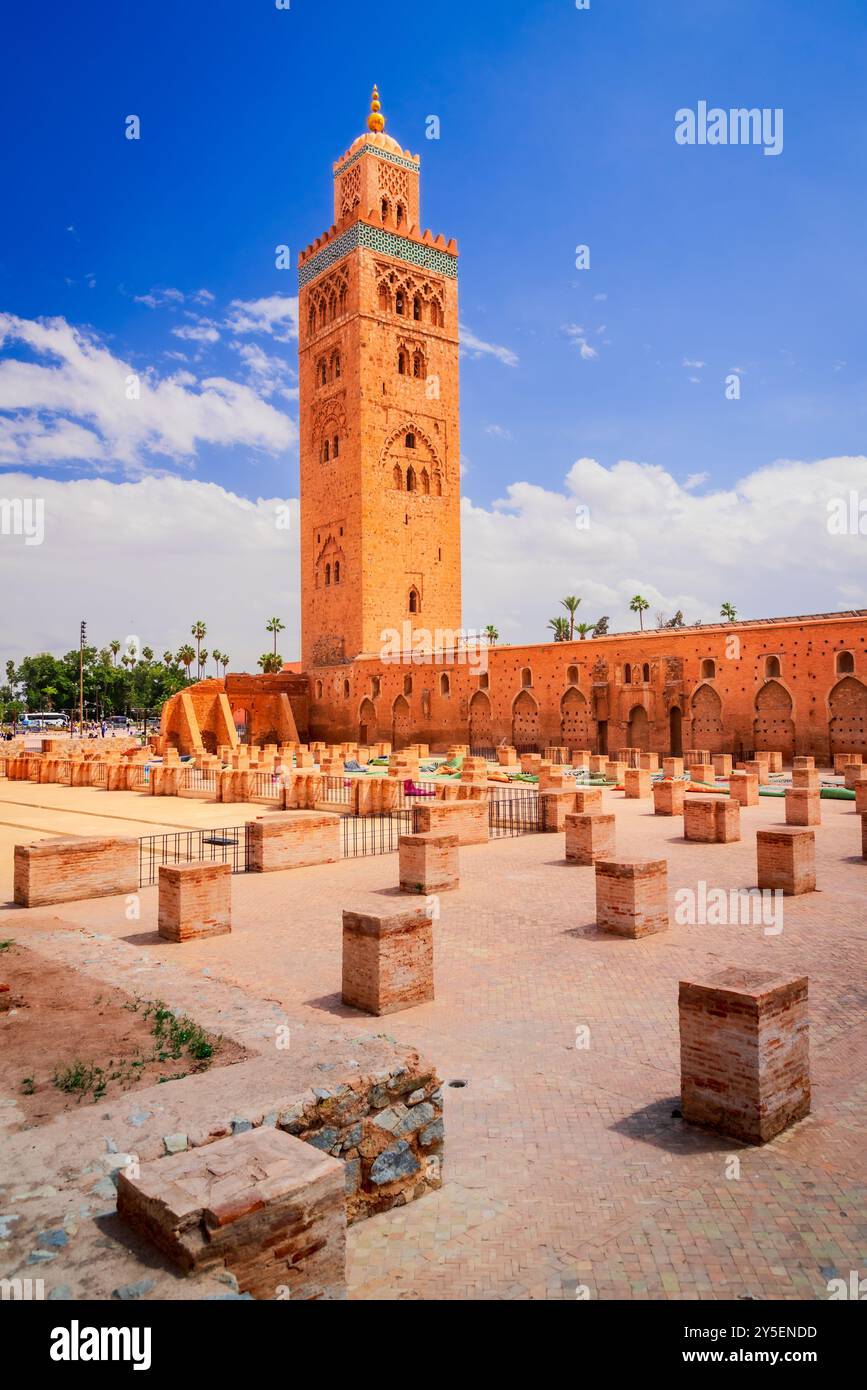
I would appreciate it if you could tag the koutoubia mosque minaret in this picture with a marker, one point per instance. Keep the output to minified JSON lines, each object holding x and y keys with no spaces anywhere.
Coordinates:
{"x":379,"y":412}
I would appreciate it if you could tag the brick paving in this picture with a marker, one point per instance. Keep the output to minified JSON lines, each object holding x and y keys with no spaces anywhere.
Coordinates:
{"x":565,"y":1168}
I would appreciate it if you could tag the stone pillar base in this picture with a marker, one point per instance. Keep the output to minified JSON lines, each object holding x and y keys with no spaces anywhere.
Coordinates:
{"x":744,"y":1053}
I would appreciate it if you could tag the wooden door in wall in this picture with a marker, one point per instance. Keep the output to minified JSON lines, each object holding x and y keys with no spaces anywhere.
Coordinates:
{"x":707,"y":725}
{"x":481,"y":721}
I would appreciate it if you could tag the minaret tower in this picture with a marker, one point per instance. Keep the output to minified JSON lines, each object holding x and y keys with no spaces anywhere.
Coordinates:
{"x":379,"y":413}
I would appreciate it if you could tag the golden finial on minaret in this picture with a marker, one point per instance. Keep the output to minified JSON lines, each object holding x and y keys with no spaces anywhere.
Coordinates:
{"x":376,"y":120}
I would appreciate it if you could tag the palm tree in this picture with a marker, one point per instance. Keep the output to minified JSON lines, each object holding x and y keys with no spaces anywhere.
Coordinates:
{"x":147,"y":654}
{"x":203,"y":661}
{"x":274,"y":625}
{"x":582,"y":629}
{"x":492,"y":635}
{"x":200,"y":632}
{"x":270,"y":663}
{"x":561,"y":629}
{"x":728,"y":611}
{"x":640,"y":606}
{"x":114,"y":648}
{"x":168,"y":659}
{"x":571,"y":603}
{"x":186,"y":657}
{"x":217,"y":657}
{"x":224,"y":662}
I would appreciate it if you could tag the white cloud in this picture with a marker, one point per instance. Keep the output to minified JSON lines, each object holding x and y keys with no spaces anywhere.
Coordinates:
{"x":276,"y":315}
{"x":157,"y":298}
{"x":695,"y":480}
{"x":149,"y":557}
{"x":148,"y":542}
{"x":600,"y":297}
{"x":477,"y":347}
{"x":578,"y":338}
{"x":649,"y":534}
{"x":498,"y":431}
{"x":202,"y":332}
{"x":688,"y":363}
{"x":265,"y":372}
{"x":76,"y":381}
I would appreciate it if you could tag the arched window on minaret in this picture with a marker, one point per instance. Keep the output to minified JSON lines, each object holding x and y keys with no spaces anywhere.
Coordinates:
{"x":400,"y":303}
{"x":438,"y":485}
{"x":410,"y":441}
{"x":325,"y":451}
{"x":410,"y":479}
{"x":335,"y":371}
{"x":322,"y":313}
{"x":337,"y":571}
{"x":335,"y":451}
{"x":419,"y":369}
{"x":401,"y":214}
{"x":414,"y":604}
{"x":327,"y":576}
{"x":425,"y":482}
{"x":384,"y":299}
{"x":416,"y":308}
{"x":311,"y":320}
{"x":385,"y":210}
{"x":401,"y":362}
{"x":398,"y":477}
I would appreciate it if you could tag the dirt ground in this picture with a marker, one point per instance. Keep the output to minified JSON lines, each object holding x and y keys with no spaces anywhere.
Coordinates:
{"x":66,"y":1041}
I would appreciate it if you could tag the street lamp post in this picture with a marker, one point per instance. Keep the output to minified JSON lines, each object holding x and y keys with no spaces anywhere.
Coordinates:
{"x":82,"y":641}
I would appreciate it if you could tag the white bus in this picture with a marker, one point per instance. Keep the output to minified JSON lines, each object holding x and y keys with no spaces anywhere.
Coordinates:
{"x":44,"y":719}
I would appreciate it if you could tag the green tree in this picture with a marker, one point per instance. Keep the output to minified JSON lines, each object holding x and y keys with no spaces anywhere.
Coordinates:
{"x":582,"y":629}
{"x":492,"y":635}
{"x":114,"y":648}
{"x":640,"y":606}
{"x":186,"y":656}
{"x":270,"y":663}
{"x":560,"y":628}
{"x":728,"y":611}
{"x":199,"y":632}
{"x":275,"y":626}
{"x":571,"y":604}
{"x":600,"y":627}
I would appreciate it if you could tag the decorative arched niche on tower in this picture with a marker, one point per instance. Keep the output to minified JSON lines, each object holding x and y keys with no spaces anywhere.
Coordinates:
{"x":410,"y":462}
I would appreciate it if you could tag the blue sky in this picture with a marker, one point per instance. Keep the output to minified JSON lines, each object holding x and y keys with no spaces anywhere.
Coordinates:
{"x":557,"y":129}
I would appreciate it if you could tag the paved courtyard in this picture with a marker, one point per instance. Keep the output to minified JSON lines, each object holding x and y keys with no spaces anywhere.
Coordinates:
{"x":567,"y":1169}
